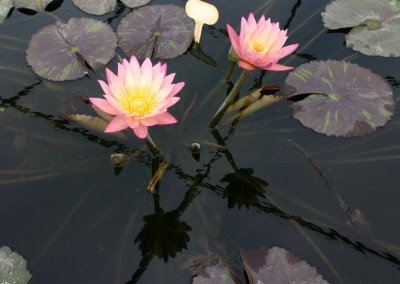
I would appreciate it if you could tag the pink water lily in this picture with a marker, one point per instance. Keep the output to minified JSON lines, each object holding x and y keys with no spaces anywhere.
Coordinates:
{"x":139,"y":96}
{"x":260,"y":44}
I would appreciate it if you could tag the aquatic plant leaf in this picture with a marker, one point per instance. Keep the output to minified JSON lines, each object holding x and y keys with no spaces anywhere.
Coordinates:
{"x":96,"y":7}
{"x":375,"y":23}
{"x":157,"y":31}
{"x":277,"y":265}
{"x":61,"y":51}
{"x":35,"y":5}
{"x":216,"y":274}
{"x":5,"y":6}
{"x":135,"y":3}
{"x":13,"y":267}
{"x":356,"y":101}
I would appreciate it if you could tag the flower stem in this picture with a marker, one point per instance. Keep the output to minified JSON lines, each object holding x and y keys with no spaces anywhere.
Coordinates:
{"x":229,"y":99}
{"x":152,"y":146}
{"x":231,"y":67}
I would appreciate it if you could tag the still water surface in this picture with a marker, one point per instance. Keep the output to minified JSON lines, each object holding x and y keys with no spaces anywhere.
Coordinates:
{"x":77,"y":220}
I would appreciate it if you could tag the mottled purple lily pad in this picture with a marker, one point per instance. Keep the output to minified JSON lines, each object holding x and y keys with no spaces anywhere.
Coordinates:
{"x":157,"y":31}
{"x":375,"y":23}
{"x":277,"y":265}
{"x":35,"y":5}
{"x":5,"y":7}
{"x":135,"y":3}
{"x":216,"y":274}
{"x":60,"y":52}
{"x":354,"y":101}
{"x":96,"y":7}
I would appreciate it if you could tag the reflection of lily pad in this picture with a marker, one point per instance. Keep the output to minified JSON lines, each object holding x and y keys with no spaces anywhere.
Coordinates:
{"x":158,"y":31}
{"x":376,"y":24}
{"x":356,"y":101}
{"x":13,"y":267}
{"x":135,"y":3}
{"x":96,"y":7}
{"x":5,"y":6}
{"x":59,"y":52}
{"x":277,"y":265}
{"x":36,"y":5}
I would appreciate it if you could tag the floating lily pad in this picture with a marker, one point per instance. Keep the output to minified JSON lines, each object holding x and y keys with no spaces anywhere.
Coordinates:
{"x":157,"y":31}
{"x":218,"y":273}
{"x":13,"y":267}
{"x":59,"y":52}
{"x":5,"y":7}
{"x":96,"y":7}
{"x":375,"y":23}
{"x":35,"y":5}
{"x":354,"y":101}
{"x":135,"y":3}
{"x":277,"y":265}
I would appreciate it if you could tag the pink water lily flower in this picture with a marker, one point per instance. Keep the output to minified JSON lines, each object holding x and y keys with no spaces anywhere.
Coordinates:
{"x":260,"y":44}
{"x":139,"y":96}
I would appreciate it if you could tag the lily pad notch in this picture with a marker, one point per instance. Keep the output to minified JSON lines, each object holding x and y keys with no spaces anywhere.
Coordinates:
{"x":357,"y":101}
{"x":61,"y":51}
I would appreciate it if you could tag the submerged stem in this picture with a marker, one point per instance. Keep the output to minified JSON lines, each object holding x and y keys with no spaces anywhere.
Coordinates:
{"x":229,"y":99}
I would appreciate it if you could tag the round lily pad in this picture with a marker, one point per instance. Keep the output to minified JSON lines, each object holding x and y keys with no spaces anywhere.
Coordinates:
{"x":277,"y":265}
{"x":356,"y":101}
{"x":135,"y":3}
{"x":13,"y":267}
{"x":60,"y":52}
{"x":375,"y":23}
{"x":36,"y":5}
{"x":156,"y":31}
{"x":96,"y":7}
{"x":5,"y":7}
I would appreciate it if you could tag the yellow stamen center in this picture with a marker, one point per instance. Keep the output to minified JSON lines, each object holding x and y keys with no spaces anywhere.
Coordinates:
{"x":258,"y":46}
{"x":138,"y":102}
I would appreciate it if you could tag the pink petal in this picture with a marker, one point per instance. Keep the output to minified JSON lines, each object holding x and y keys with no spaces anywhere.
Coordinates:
{"x":176,"y":89}
{"x":105,"y":87}
{"x":111,"y":77}
{"x":147,"y":73}
{"x":166,"y":118}
{"x":149,"y":121}
{"x":103,"y":105}
{"x":140,"y":131}
{"x":278,"y":67}
{"x":168,"y":80}
{"x":117,"y":124}
{"x":171,"y":101}
{"x":133,"y":122}
{"x":233,"y":37}
{"x":134,"y":67}
{"x":246,"y":65}
{"x":287,"y":50}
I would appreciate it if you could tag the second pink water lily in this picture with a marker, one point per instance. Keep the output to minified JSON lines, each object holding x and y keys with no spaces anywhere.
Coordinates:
{"x":139,"y":96}
{"x":260,"y":44}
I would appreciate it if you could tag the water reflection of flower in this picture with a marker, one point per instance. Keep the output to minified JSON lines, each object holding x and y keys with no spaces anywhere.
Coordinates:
{"x":243,"y":188}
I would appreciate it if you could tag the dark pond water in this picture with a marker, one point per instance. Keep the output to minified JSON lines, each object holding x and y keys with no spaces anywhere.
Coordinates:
{"x":76,"y":220}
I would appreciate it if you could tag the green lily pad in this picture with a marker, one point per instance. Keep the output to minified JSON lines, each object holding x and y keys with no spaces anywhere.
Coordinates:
{"x":13,"y":267}
{"x":61,"y":51}
{"x":277,"y":265}
{"x":156,"y":31}
{"x":35,"y":5}
{"x":135,"y":3}
{"x":375,"y":23}
{"x":5,"y":7}
{"x":354,"y":101}
{"x":96,"y":7}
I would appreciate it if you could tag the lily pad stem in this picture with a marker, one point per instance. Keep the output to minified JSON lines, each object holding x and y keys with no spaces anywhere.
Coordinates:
{"x":152,"y":146}
{"x":229,"y":99}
